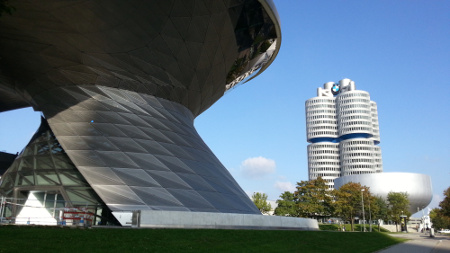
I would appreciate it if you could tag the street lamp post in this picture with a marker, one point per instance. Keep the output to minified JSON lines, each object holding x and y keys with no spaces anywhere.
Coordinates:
{"x":362,"y":203}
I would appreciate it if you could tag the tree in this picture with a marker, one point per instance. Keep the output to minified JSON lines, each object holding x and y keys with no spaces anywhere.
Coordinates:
{"x":347,"y":203}
{"x":313,"y":198}
{"x":379,"y":209}
{"x":286,"y":205}
{"x":439,"y":220}
{"x":398,"y":205}
{"x":445,"y":204}
{"x":441,"y":216}
{"x":260,"y":200}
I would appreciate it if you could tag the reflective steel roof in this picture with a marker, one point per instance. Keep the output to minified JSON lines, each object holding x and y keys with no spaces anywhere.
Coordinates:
{"x":188,"y":52}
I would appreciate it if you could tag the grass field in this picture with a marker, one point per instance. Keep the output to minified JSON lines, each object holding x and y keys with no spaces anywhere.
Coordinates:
{"x":56,"y":239}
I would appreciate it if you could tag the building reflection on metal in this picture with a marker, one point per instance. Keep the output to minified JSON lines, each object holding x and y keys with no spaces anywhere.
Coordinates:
{"x":120,"y":83}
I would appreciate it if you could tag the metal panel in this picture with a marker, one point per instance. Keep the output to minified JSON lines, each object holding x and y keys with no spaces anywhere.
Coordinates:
{"x":145,"y":157}
{"x":154,"y":47}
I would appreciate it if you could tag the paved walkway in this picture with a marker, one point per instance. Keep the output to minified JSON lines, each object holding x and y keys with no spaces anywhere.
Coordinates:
{"x":420,"y":243}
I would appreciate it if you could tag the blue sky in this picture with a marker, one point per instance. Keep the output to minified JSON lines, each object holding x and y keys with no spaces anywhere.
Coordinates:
{"x":398,"y":51}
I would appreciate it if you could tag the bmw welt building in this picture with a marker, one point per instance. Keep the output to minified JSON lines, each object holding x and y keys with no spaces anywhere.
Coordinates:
{"x":119,"y":84}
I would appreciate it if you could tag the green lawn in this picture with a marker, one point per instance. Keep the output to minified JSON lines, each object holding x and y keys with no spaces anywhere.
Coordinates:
{"x":55,"y":239}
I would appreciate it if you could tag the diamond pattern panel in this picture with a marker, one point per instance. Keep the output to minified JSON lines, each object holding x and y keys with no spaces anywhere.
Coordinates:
{"x":158,"y":198}
{"x":189,"y":52}
{"x":149,"y":156}
{"x":136,"y":177}
{"x":44,"y":166}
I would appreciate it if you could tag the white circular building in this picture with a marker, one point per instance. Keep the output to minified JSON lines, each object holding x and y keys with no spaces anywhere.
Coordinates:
{"x":342,"y":127}
{"x":343,"y":131}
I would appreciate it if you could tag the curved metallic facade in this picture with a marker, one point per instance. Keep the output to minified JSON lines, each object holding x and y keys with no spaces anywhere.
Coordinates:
{"x":120,"y":83}
{"x":417,"y":186}
{"x":186,"y":52}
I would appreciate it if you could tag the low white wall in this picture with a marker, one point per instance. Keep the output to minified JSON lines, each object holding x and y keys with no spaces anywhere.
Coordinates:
{"x":177,"y":219}
{"x":391,"y":228}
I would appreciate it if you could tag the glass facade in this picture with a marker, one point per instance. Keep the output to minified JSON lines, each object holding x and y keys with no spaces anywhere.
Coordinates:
{"x":44,"y":169}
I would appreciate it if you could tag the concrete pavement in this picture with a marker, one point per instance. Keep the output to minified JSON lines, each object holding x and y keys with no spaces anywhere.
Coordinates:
{"x":420,"y":243}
